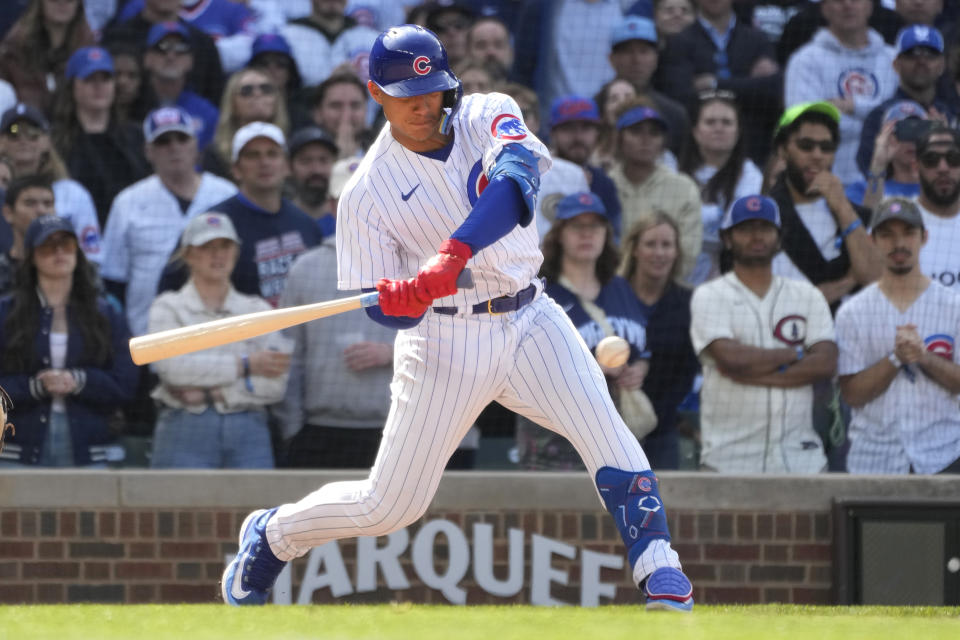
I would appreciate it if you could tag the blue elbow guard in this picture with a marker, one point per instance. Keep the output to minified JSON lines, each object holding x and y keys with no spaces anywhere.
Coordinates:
{"x":520,"y":165}
{"x":633,"y":499}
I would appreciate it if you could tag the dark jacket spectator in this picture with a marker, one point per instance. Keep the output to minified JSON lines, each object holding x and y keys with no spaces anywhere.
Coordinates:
{"x":64,"y":396}
{"x":746,"y":67}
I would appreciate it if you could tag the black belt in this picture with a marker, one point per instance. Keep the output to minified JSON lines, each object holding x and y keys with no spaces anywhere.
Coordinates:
{"x":502,"y":304}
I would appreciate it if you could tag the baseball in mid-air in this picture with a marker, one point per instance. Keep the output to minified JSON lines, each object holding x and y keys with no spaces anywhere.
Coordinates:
{"x":613,"y":351}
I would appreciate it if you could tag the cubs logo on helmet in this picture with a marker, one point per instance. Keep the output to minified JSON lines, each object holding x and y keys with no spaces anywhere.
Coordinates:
{"x":421,"y":65}
{"x":791,"y":330}
{"x":940,"y":344}
{"x":507,"y":126}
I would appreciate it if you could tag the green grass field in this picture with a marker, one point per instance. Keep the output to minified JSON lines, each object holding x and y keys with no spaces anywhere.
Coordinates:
{"x":420,"y":622}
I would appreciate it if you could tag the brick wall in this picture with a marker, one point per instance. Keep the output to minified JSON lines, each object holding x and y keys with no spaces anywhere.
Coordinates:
{"x":140,"y":556}
{"x":142,"y":536}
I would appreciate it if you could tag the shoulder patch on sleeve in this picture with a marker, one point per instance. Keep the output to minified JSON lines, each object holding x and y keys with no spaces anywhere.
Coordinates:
{"x":507,"y":126}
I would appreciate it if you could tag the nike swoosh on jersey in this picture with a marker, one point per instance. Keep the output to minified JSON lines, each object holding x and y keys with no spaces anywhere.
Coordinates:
{"x":407,"y":196}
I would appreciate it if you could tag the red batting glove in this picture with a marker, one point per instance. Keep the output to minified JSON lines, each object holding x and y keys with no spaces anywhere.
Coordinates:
{"x":438,"y":278}
{"x":400,"y":298}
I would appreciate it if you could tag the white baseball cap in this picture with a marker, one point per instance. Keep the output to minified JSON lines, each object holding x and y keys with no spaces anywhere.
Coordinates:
{"x":255,"y":130}
{"x":206,"y":227}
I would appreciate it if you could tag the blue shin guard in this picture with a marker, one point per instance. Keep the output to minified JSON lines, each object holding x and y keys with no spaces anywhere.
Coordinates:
{"x":633,"y":499}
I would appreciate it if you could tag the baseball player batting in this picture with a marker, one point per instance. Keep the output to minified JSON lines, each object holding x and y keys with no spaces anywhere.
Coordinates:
{"x":460,"y":173}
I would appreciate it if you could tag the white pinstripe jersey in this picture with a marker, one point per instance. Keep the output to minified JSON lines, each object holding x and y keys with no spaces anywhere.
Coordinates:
{"x":914,"y":422}
{"x":399,"y":205}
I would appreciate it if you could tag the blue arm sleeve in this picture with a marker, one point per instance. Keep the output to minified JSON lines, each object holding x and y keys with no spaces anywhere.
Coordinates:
{"x":509,"y":199}
{"x":390,"y":322}
{"x":498,"y":210}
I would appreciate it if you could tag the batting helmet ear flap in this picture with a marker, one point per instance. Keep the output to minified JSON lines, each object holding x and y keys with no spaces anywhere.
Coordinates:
{"x":451,"y":101}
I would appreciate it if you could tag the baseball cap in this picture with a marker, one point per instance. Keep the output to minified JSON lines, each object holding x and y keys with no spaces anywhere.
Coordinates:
{"x":640,"y":114}
{"x":161,"y":30}
{"x":86,"y":61}
{"x":790,"y":115}
{"x":633,"y":28}
{"x":206,"y":227}
{"x":165,"y":120}
{"x":575,"y":204}
{"x":573,"y":108}
{"x":897,"y":209}
{"x":937,"y":129}
{"x":919,"y":35}
{"x":43,"y":227}
{"x":751,"y":208}
{"x":903,"y":109}
{"x":309,"y":135}
{"x":23,"y":111}
{"x":252,"y":131}
{"x":270,"y":43}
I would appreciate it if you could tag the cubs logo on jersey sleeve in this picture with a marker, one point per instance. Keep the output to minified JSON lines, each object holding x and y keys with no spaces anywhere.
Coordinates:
{"x":476,"y":182}
{"x":940,"y":344}
{"x":791,"y":330}
{"x":858,"y":82}
{"x":507,"y":126}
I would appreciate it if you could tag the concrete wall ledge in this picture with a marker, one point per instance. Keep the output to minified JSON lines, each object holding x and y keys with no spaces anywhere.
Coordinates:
{"x":477,"y":490}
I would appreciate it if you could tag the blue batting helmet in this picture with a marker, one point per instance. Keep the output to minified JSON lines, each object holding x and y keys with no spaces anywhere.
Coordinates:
{"x":409,"y":60}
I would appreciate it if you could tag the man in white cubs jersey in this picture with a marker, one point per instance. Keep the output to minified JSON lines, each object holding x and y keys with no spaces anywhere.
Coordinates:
{"x":462,"y":174}
{"x":938,"y":166}
{"x":763,"y":341}
{"x":898,"y":358}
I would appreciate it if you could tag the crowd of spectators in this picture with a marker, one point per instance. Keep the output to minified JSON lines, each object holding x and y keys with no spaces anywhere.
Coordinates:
{"x":738,"y":188}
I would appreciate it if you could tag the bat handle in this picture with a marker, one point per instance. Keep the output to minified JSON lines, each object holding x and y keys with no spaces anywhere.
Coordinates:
{"x":465,"y":279}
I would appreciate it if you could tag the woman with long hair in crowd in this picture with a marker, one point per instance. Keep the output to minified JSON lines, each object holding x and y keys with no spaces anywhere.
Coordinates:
{"x":715,"y":158}
{"x":214,"y":401}
{"x":580,"y":263}
{"x":25,"y":141}
{"x":651,"y":264}
{"x":64,"y":358}
{"x":33,"y":55}
{"x":101,"y":151}
{"x":250,"y":96}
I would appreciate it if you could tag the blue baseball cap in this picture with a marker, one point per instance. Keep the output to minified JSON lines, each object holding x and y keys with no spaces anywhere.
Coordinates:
{"x":903,"y":109}
{"x":751,"y":208}
{"x":578,"y":203}
{"x":86,"y":61}
{"x":633,"y":28}
{"x":167,"y":119}
{"x":270,"y":43}
{"x":161,"y":30}
{"x":919,"y":35}
{"x":640,"y":114}
{"x":573,"y":109}
{"x":43,"y":227}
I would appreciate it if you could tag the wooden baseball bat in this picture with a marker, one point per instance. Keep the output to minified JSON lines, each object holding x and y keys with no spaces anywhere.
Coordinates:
{"x":182,"y":340}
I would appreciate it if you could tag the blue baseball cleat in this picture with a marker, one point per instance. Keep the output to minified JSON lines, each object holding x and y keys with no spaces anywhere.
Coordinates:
{"x":668,"y":589}
{"x":247,"y":580}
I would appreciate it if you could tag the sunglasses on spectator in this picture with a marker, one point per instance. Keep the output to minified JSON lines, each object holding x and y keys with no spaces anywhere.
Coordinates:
{"x":172,"y":46}
{"x":719,"y":94}
{"x":809,"y":144}
{"x":29,"y":132}
{"x":931,"y":159}
{"x":56,"y":242}
{"x":168,"y":138}
{"x":247,"y":90}
{"x":921,"y":52}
